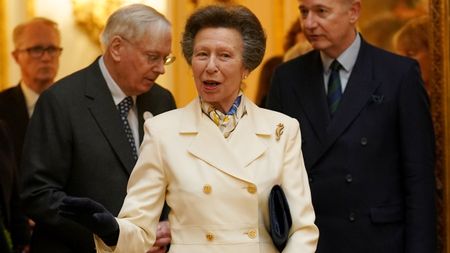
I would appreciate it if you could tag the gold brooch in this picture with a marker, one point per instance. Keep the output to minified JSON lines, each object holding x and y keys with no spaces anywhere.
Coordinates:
{"x":279,"y":131}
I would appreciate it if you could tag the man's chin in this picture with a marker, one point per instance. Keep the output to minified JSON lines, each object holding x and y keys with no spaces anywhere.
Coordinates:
{"x":317,"y":45}
{"x":46,"y":79}
{"x":143,"y":88}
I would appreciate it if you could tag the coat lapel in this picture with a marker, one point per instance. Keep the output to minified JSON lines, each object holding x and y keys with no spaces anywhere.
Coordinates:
{"x":312,"y":96}
{"x":151,"y":103}
{"x":141,"y":109}
{"x":22,"y":111}
{"x":246,"y":140}
{"x":360,"y":88}
{"x":104,"y":111}
{"x":209,"y":145}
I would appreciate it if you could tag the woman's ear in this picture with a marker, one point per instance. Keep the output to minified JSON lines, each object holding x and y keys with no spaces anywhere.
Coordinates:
{"x":245,"y":74}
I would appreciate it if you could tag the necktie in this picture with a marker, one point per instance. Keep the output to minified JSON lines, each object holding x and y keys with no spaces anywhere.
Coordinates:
{"x":124,"y":108}
{"x":334,"y":87}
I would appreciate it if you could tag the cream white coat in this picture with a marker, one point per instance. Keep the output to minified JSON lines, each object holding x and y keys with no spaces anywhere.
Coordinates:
{"x":217,"y":188}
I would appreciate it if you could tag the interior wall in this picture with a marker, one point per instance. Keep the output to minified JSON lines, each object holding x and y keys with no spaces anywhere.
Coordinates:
{"x":16,"y":12}
{"x":3,"y":49}
{"x":275,"y":16}
{"x":12,"y":13}
{"x":79,"y":50}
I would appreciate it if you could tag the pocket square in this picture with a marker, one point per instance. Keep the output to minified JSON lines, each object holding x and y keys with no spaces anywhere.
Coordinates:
{"x":280,"y":217}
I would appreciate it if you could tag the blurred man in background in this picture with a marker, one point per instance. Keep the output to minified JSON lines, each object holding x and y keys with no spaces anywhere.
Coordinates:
{"x":36,"y":51}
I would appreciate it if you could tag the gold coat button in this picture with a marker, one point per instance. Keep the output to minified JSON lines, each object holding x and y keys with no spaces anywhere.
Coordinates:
{"x":209,"y":236}
{"x":207,"y":189}
{"x":252,"y":233}
{"x":251,"y":188}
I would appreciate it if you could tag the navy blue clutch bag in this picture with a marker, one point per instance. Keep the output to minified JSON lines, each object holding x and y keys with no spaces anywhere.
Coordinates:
{"x":280,"y":217}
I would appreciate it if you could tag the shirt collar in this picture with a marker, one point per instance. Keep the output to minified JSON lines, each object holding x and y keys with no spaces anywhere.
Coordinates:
{"x":116,"y":92}
{"x":30,"y":97}
{"x":347,"y":59}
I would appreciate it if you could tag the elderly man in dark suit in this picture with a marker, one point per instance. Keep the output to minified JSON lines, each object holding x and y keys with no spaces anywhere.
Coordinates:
{"x":84,"y":135}
{"x":36,"y":51}
{"x":368,"y":140}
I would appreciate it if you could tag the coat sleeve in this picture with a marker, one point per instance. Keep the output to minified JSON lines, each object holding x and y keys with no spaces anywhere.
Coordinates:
{"x":139,"y":216}
{"x":304,"y":233}
{"x":14,"y":219}
{"x":417,"y":157}
{"x":45,"y":167}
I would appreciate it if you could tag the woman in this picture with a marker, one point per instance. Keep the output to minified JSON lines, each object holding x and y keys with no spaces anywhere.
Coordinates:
{"x":215,"y":161}
{"x":412,"y":40}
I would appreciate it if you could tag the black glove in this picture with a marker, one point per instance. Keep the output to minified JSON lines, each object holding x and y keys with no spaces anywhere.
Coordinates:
{"x":93,"y":216}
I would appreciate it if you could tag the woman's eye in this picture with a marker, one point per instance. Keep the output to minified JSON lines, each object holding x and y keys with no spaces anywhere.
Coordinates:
{"x":201,"y":54}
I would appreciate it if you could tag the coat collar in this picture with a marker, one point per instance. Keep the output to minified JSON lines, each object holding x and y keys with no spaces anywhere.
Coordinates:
{"x":316,"y":110}
{"x":231,"y":155}
{"x":103,"y":109}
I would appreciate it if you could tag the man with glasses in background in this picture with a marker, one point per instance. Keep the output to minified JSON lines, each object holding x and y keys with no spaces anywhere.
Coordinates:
{"x":36,"y":51}
{"x":83,"y":138}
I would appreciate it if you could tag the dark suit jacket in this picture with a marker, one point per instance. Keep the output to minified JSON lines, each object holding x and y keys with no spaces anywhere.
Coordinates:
{"x":76,"y":145}
{"x":13,"y":110}
{"x":370,"y":167}
{"x":10,"y":211}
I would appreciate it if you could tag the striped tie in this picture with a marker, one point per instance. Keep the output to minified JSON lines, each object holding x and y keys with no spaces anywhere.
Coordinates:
{"x":334,"y":87}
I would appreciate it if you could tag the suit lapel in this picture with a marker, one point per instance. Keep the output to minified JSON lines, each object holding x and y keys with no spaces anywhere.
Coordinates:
{"x":20,"y":118}
{"x":22,"y":109}
{"x":104,"y":111}
{"x":359,"y":89}
{"x":312,"y":96}
{"x":250,"y":129}
{"x":150,"y":104}
{"x":209,"y":145}
{"x":141,"y":109}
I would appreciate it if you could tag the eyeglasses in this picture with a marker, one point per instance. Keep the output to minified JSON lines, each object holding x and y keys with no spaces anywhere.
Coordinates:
{"x":153,"y":58}
{"x":38,"y":51}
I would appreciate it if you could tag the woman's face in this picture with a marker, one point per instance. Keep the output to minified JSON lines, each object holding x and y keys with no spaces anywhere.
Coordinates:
{"x":217,"y":66}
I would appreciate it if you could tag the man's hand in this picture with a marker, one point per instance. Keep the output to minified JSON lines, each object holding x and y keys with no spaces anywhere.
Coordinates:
{"x":163,"y":238}
{"x":93,"y":216}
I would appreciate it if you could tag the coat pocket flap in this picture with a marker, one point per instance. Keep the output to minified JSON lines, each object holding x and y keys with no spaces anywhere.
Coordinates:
{"x":386,"y":214}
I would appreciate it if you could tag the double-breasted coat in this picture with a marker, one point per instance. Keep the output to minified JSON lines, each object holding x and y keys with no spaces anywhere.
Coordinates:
{"x":217,"y":188}
{"x":370,"y":166}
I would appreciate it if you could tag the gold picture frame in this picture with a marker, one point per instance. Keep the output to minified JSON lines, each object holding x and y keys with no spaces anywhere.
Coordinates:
{"x":440,"y":102}
{"x":4,"y":68}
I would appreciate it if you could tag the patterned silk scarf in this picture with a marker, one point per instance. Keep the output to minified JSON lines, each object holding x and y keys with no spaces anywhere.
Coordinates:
{"x":226,"y":122}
